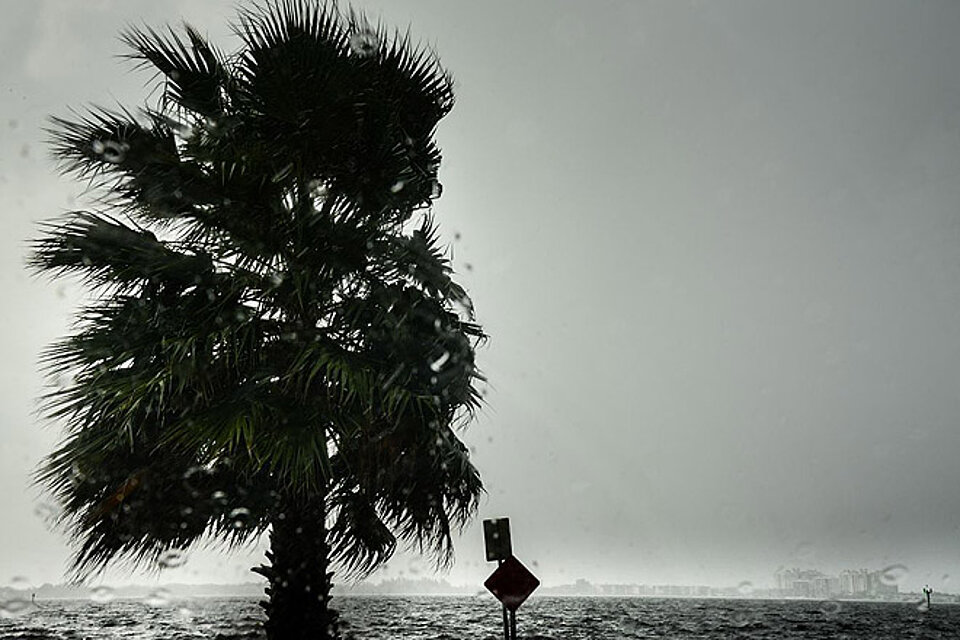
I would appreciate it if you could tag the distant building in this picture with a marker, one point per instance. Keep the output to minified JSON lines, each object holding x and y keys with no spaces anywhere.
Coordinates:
{"x":808,"y":583}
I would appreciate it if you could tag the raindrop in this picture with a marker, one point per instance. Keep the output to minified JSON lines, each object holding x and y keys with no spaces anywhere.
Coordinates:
{"x":14,"y":607}
{"x":437,"y":364}
{"x":172,"y":559}
{"x":464,"y":307}
{"x":830,"y":608}
{"x":945,"y":578}
{"x":468,"y":266}
{"x":397,"y":186}
{"x":77,"y":477}
{"x":922,"y":606}
{"x":47,"y":513}
{"x":456,"y":236}
{"x":239,"y":517}
{"x":745,"y":588}
{"x":742,"y":618}
{"x":220,"y":497}
{"x":804,"y":550}
{"x":185,"y":613}
{"x":101,"y":594}
{"x":112,"y":151}
{"x":158,"y":598}
{"x":364,"y":43}
{"x":893,"y":574}
{"x":436,"y":189}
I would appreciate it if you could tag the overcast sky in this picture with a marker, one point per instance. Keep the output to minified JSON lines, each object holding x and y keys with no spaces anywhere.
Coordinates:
{"x":716,"y":246}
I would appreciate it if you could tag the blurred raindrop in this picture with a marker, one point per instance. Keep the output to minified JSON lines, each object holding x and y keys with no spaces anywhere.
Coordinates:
{"x":830,"y":608}
{"x":364,"y":43}
{"x":172,"y":559}
{"x":158,"y":598}
{"x":893,"y":574}
{"x":397,"y":186}
{"x":804,"y":550}
{"x":14,"y":607}
{"x":240,"y":515}
{"x":47,"y":513}
{"x":112,"y":151}
{"x":437,"y":364}
{"x":745,"y":588}
{"x":922,"y":606}
{"x":742,"y":618}
{"x":101,"y":594}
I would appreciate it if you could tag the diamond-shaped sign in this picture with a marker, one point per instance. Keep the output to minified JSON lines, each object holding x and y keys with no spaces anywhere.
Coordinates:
{"x":511,"y":583}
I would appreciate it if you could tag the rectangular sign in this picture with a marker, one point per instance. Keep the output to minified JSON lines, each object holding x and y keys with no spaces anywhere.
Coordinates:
{"x":496,"y":535}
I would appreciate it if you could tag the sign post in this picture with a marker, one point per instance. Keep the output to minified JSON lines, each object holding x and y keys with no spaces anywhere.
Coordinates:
{"x":511,"y":582}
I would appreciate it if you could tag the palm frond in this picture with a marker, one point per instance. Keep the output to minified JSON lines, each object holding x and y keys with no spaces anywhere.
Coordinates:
{"x":195,"y":72}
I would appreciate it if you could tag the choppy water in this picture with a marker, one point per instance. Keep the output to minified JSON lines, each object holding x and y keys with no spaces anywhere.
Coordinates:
{"x":466,"y":618}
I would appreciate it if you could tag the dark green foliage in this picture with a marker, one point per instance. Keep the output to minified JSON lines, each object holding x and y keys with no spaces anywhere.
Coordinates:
{"x":270,"y":321}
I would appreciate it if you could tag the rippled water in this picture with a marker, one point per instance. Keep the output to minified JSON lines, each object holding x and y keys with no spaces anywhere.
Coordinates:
{"x":462,"y":618}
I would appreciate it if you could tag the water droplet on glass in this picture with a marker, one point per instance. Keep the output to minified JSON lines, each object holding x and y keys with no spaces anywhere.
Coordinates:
{"x":745,"y":588}
{"x":47,"y":513}
{"x":945,"y":578}
{"x":893,"y":574}
{"x":742,"y":618}
{"x":397,"y":186}
{"x":922,"y":606}
{"x":364,"y":43}
{"x":14,"y":607}
{"x":219,"y":497}
{"x":240,"y":515}
{"x":436,"y":189}
{"x":101,"y":594}
{"x":97,"y":146}
{"x":172,"y":559}
{"x":830,"y":608}
{"x":803,"y":550}
{"x":158,"y":598}
{"x":185,"y":613}
{"x":112,"y":151}
{"x":437,"y":364}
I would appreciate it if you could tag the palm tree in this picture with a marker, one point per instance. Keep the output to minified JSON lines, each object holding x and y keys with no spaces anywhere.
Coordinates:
{"x":275,"y":343}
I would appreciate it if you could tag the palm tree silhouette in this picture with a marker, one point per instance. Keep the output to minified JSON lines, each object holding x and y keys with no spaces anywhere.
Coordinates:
{"x":275,"y":343}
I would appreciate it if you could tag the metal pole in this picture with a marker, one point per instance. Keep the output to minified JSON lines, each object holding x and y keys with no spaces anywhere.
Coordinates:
{"x":506,"y":623}
{"x":513,"y":625}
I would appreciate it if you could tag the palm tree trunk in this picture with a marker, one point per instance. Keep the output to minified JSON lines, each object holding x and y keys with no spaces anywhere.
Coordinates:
{"x":298,"y":592}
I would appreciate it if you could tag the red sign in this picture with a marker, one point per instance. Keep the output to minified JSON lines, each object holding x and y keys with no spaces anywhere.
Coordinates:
{"x":511,"y":583}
